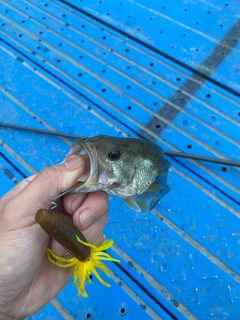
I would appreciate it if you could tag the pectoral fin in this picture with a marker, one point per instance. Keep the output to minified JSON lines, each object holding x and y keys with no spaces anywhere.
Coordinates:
{"x":158,"y":196}
{"x":140,"y":203}
{"x":132,"y":204}
{"x":155,"y":187}
{"x":143,"y":205}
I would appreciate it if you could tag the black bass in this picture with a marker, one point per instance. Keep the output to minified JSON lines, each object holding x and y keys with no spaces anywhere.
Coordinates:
{"x":132,"y":169}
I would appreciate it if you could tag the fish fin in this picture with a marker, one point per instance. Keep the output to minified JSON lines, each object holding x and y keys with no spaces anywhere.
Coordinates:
{"x":133,"y":205}
{"x":84,"y":176}
{"x":158,"y":196}
{"x":154,"y":203}
{"x":154,"y":187}
{"x":164,"y":173}
{"x":143,"y":205}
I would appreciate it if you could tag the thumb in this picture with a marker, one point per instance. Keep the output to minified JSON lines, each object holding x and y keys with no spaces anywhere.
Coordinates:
{"x":49,"y":183}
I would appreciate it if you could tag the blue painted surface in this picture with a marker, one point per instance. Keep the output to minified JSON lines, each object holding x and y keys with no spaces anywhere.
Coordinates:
{"x":108,"y":68}
{"x":8,"y":174}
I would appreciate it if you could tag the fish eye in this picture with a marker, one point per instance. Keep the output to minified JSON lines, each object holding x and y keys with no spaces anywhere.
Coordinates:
{"x":114,"y":153}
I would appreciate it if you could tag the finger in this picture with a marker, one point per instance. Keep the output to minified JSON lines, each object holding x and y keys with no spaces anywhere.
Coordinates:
{"x":99,"y":240}
{"x":93,"y":207}
{"x":72,"y":202}
{"x":93,"y":233}
{"x":48,"y":184}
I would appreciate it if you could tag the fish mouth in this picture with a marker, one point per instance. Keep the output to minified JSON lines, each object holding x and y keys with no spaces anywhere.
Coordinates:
{"x":91,"y":177}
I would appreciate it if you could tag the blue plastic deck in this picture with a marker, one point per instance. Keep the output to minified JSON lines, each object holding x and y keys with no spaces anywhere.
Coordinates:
{"x":164,"y":71}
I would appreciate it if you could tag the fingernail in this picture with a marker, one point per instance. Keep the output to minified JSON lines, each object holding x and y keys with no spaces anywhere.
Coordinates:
{"x":86,"y":217}
{"x":73,"y":162}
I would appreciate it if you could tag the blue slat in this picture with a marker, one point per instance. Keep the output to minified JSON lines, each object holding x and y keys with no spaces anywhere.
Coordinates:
{"x":8,"y":174}
{"x":194,"y":21}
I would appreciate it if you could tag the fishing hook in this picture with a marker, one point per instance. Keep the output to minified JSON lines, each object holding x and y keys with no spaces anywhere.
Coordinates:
{"x":54,"y":200}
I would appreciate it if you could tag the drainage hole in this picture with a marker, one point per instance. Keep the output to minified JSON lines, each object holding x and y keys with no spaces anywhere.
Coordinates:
{"x":122,"y":310}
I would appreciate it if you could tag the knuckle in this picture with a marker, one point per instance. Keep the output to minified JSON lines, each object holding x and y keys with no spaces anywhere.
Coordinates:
{"x":105,"y":218}
{"x":102,"y":197}
{"x":47,"y":173}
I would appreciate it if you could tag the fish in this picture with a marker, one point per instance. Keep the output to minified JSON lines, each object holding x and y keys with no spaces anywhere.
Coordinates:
{"x":133,"y":169}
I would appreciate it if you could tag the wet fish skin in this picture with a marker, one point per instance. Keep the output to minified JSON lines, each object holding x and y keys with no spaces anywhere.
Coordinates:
{"x":132,"y":169}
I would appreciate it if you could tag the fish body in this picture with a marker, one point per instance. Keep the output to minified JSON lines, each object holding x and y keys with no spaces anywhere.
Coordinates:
{"x":132,"y":169}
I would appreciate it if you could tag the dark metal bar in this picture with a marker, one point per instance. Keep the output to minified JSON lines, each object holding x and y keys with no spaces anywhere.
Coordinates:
{"x":167,"y":152}
{"x":202,"y":158}
{"x":55,"y":133}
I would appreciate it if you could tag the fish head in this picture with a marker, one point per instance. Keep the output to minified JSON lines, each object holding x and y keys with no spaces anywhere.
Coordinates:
{"x":121,"y":166}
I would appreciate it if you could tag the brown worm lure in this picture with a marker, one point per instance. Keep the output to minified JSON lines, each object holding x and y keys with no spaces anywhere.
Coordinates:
{"x":61,"y":229}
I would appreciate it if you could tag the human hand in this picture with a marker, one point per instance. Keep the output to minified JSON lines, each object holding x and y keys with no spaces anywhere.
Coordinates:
{"x":28,"y":281}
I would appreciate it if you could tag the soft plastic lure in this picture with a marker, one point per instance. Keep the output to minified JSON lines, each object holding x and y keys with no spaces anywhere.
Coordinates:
{"x":86,"y":257}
